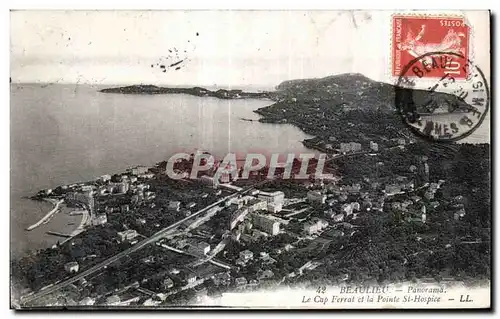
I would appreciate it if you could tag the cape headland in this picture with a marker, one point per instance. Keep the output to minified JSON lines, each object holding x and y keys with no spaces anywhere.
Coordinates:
{"x":196,"y":91}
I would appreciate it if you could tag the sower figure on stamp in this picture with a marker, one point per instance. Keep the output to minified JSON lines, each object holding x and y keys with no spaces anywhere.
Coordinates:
{"x":452,"y":42}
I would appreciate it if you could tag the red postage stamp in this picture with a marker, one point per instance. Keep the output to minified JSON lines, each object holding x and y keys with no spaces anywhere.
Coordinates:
{"x":417,"y":36}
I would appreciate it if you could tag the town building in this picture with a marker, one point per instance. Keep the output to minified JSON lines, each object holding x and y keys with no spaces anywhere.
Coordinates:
{"x":100,"y":219}
{"x":392,"y":189}
{"x":113,"y":300}
{"x":350,"y":147}
{"x":111,"y":187}
{"x":336,"y":233}
{"x":256,"y":204}
{"x":422,"y":173}
{"x":459,"y":214}
{"x":237,"y":217}
{"x":429,"y":194}
{"x":208,"y":180}
{"x":316,"y":197}
{"x":124,"y":208}
{"x":128,"y":234}
{"x":223,"y":279}
{"x":86,"y":198}
{"x":235,"y":202}
{"x":274,"y":208}
{"x":200,"y":248}
{"x":338,"y":218}
{"x":352,"y":189}
{"x":277,"y":197}
{"x":71,"y":267}
{"x":373,"y":146}
{"x":225,"y":177}
{"x":86,"y":188}
{"x":266,"y":224}
{"x":355,"y":206}
{"x":188,"y":276}
{"x":174,"y":206}
{"x":123,"y":187}
{"x":315,"y":225}
{"x":146,"y":176}
{"x":105,"y":178}
{"x":346,"y":209}
{"x":240,"y":281}
{"x":168,"y":283}
{"x":246,"y":255}
{"x":329,"y":213}
{"x":138,"y":170}
{"x":266,"y":274}
{"x":87,"y":301}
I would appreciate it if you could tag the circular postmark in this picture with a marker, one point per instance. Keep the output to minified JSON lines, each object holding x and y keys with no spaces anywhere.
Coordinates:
{"x":443,"y":108}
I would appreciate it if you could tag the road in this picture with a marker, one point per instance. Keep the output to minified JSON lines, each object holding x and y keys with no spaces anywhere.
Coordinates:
{"x":155,"y":237}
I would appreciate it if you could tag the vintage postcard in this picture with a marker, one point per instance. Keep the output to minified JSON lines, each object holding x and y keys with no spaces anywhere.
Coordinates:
{"x":250,"y":159}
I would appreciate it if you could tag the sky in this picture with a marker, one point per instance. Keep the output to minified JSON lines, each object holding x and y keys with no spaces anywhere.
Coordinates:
{"x":223,"y":48}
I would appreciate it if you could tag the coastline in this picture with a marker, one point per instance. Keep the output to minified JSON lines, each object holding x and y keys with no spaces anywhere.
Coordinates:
{"x":46,"y":219}
{"x":267,"y":115}
{"x":39,"y":237}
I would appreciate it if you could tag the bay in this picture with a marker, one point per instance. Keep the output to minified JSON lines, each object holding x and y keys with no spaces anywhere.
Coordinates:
{"x":61,"y":134}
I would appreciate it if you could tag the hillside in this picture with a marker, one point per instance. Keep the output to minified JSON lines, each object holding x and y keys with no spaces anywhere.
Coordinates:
{"x":351,"y":107}
{"x":356,"y":91}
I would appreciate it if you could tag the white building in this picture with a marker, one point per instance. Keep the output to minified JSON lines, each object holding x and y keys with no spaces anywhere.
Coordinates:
{"x":274,"y":208}
{"x":139,"y":170}
{"x":347,"y":209}
{"x":87,"y":301}
{"x":338,"y":218}
{"x":355,"y":206}
{"x":266,"y":224}
{"x":200,"y":248}
{"x":246,"y":255}
{"x":71,"y":267}
{"x":255,"y":205}
{"x":275,"y":197}
{"x":392,"y":189}
{"x":240,"y":281}
{"x":100,"y":220}
{"x":350,"y":147}
{"x":127,"y":234}
{"x":168,"y":283}
{"x":315,"y":226}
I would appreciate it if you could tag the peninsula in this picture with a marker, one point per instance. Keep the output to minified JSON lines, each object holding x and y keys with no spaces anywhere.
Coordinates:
{"x":196,"y":91}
